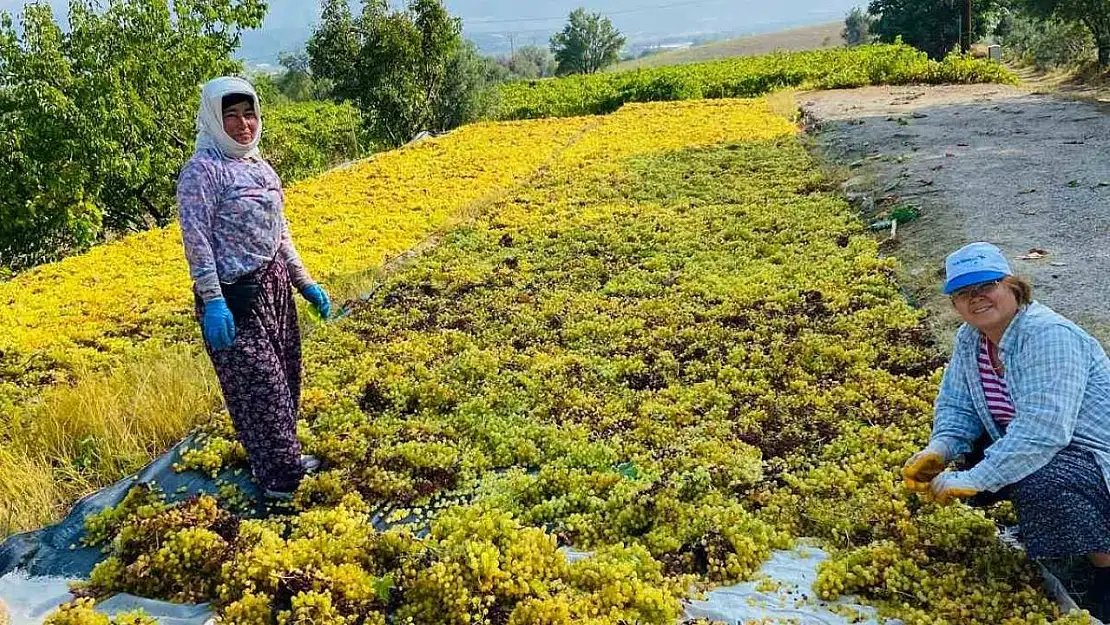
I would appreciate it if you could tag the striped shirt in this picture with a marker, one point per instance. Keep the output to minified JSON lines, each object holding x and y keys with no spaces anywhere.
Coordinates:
{"x":994,"y":388}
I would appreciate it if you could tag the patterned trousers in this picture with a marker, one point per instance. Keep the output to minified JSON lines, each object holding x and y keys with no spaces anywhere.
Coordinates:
{"x":260,"y":374}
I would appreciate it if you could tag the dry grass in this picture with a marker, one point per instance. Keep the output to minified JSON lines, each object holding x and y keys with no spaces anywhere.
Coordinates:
{"x":795,"y":39}
{"x":784,"y":103}
{"x":1087,"y":83}
{"x":75,"y":439}
{"x":28,"y":494}
{"x":79,"y":438}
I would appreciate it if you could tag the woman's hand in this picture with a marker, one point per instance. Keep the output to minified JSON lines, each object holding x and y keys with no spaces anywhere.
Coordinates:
{"x":923,"y":466}
{"x":319,"y":299}
{"x":951,"y":485}
{"x":218,"y":326}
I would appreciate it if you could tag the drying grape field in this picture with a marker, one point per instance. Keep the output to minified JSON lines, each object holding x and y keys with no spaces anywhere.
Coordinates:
{"x":660,"y":335}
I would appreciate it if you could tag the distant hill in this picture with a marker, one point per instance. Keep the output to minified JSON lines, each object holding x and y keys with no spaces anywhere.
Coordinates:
{"x":805,"y":38}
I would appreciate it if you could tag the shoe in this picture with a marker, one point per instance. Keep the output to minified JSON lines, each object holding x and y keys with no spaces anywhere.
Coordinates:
{"x":310,"y":464}
{"x":279,"y":495}
{"x":1097,"y":601}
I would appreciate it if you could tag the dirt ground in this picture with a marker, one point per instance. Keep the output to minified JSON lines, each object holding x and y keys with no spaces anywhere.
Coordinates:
{"x":1020,"y":169}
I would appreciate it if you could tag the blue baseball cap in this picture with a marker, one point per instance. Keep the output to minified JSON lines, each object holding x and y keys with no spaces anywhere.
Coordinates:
{"x":974,"y":264}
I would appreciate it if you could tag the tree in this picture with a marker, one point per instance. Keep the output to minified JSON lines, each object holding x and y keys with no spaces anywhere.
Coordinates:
{"x":929,"y":25}
{"x":587,"y":44}
{"x":1046,"y":43}
{"x":266,"y":86}
{"x":408,"y":70}
{"x":857,"y":27}
{"x":531,"y":62}
{"x":96,"y":120}
{"x":334,"y":47}
{"x":1094,"y":14}
{"x":466,"y":94}
{"x":297,"y":82}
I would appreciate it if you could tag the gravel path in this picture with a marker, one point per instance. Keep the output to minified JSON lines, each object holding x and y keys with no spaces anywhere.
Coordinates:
{"x":981,"y":162}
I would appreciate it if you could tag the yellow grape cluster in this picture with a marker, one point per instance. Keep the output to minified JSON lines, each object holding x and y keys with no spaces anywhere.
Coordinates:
{"x":214,"y":446}
{"x":81,"y":612}
{"x":173,"y":552}
{"x":141,"y":502}
{"x":917,"y":561}
{"x":212,"y":455}
{"x":490,"y":569}
{"x":319,"y":607}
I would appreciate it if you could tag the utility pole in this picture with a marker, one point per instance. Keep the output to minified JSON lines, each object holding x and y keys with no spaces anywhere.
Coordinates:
{"x":965,"y":28}
{"x":512,"y":46}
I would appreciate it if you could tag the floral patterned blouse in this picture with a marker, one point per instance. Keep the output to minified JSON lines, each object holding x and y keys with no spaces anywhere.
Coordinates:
{"x":233,"y":221}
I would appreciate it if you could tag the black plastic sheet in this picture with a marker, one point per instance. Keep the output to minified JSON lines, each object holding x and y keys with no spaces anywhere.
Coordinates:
{"x":58,"y":551}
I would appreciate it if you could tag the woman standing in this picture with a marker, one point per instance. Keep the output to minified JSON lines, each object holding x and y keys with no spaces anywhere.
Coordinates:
{"x":244,"y":267}
{"x":1036,"y":388}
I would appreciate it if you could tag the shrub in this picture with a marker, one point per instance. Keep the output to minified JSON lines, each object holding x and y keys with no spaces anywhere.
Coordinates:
{"x":746,"y":77}
{"x":1048,"y":44}
{"x":306,"y":138}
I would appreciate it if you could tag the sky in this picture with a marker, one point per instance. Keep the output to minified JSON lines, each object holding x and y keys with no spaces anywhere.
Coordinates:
{"x":494,"y":24}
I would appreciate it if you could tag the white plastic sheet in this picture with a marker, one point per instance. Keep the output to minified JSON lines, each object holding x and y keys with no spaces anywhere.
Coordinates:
{"x":31,"y":599}
{"x":163,"y":612}
{"x":783,"y":592}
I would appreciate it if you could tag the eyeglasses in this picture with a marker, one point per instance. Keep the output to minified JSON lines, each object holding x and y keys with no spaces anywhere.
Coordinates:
{"x":975,"y":290}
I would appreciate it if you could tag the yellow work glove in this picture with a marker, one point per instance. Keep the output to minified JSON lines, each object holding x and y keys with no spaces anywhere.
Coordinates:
{"x":923,"y":466}
{"x":951,"y":485}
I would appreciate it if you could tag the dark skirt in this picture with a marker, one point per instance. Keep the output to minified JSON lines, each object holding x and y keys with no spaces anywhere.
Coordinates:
{"x":1064,"y":508}
{"x":260,"y":374}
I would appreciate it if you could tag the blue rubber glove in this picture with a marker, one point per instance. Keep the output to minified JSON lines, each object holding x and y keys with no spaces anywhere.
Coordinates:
{"x":316,"y":295}
{"x":218,"y":326}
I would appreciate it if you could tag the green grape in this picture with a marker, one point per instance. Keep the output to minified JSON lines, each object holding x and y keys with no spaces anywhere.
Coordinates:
{"x":142,"y":501}
{"x":249,"y":609}
{"x":214,"y":454}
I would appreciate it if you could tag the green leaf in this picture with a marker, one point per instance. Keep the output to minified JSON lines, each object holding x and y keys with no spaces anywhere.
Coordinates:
{"x":383,"y":586}
{"x":628,"y":470}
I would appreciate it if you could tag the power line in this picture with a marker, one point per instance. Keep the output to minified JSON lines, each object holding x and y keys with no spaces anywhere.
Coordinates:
{"x":563,"y":17}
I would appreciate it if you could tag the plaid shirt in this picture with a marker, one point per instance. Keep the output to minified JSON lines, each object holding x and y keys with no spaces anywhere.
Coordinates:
{"x":1059,"y":382}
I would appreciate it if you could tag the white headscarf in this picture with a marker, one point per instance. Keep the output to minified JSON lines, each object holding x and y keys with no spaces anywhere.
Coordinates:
{"x":210,"y":118}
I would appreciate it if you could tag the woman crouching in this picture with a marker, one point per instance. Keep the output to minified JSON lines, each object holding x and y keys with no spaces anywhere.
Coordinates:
{"x":1035,"y":388}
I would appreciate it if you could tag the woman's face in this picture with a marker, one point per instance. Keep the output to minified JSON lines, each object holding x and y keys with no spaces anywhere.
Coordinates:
{"x":241,"y":122}
{"x":988,"y":306}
